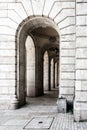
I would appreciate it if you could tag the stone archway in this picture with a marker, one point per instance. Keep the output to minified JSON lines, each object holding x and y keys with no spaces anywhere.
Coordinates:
{"x":25,"y":28}
{"x":15,"y":12}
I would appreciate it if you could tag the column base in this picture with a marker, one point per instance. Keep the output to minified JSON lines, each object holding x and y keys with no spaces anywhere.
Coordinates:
{"x":14,"y":103}
{"x":8,"y":102}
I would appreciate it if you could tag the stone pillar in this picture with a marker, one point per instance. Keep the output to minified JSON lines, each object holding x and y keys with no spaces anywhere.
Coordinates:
{"x":30,"y":67}
{"x":38,"y":72}
{"x":57,"y":73}
{"x":53,"y":73}
{"x":80,"y":101}
{"x":46,"y":71}
{"x":49,"y":74}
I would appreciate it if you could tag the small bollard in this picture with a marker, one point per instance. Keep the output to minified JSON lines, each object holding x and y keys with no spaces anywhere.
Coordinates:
{"x":62,"y":105}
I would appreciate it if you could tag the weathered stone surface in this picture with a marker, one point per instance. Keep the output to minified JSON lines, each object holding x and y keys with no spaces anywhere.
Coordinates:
{"x":62,"y":105}
{"x":72,"y":31}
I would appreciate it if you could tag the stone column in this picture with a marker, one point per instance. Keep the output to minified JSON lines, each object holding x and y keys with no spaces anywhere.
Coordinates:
{"x":53,"y":73}
{"x":49,"y":74}
{"x":38,"y":72}
{"x":46,"y":71}
{"x":57,"y":73}
{"x":30,"y":67}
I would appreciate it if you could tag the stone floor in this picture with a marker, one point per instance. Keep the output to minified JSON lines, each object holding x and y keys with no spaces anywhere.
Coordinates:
{"x":42,"y":110}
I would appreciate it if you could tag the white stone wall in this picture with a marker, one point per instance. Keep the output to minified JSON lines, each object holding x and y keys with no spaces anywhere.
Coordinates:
{"x":12,"y":13}
{"x":45,"y":77}
{"x":80,"y":104}
{"x":30,"y":67}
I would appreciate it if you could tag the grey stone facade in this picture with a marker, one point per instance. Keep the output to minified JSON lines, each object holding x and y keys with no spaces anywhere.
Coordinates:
{"x":67,"y":20}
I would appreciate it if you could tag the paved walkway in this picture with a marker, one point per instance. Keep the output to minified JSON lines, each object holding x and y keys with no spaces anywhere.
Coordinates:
{"x":39,"y":114}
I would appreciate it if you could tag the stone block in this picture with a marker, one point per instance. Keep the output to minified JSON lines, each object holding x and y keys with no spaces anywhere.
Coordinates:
{"x":11,"y":90}
{"x":67,"y":0}
{"x":60,"y":8}
{"x":8,"y":83}
{"x":3,"y":90}
{"x":68,"y":52}
{"x":81,"y":20}
{"x":66,"y":83}
{"x":81,"y":85}
{"x":7,"y":45}
{"x":81,"y":96}
{"x":7,"y":38}
{"x":6,"y":61}
{"x":47,"y":7}
{"x":7,"y":30}
{"x":68,"y":38}
{"x":18,"y":8}
{"x":67,"y":68}
{"x":67,"y":75}
{"x":8,"y":22}
{"x":69,"y":4}
{"x":55,"y":10}
{"x":3,"y":13}
{"x":81,"y":1}
{"x":7,"y":52}
{"x":81,"y":42}
{"x":27,"y":6}
{"x":66,"y":12}
{"x":3,"y":6}
{"x":62,"y":105}
{"x":81,"y":53}
{"x":67,"y":60}
{"x":81,"y":31}
{"x":7,"y":75}
{"x":81,"y":74}
{"x":81,"y":64}
{"x":81,"y":8}
{"x":67,"y":90}
{"x":7,"y":68}
{"x":76,"y":112}
{"x":7,"y":1}
{"x":67,"y":45}
{"x":68,"y":30}
{"x":38,"y":6}
{"x":80,"y":111}
{"x":14,"y":16}
{"x":66,"y":22}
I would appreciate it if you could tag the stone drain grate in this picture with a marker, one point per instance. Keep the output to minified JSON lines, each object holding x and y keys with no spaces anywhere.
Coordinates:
{"x":40,"y":123}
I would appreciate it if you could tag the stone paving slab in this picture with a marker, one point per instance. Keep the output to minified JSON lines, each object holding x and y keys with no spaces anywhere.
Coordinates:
{"x":16,"y":122}
{"x":40,"y":123}
{"x":18,"y":119}
{"x":10,"y":128}
{"x":60,"y":122}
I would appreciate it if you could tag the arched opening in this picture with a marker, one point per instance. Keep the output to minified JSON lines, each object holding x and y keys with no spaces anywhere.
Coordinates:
{"x":45,"y":37}
{"x":45,"y":72}
{"x":30,"y":67}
